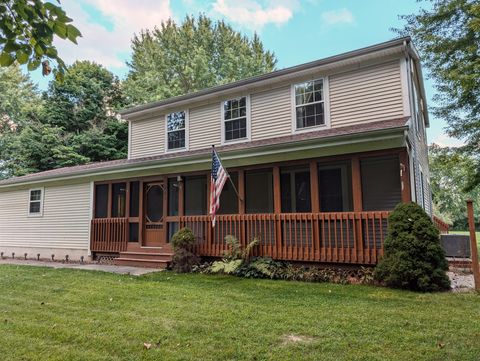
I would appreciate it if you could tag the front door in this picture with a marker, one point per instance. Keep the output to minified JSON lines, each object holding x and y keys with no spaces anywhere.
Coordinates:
{"x":154,"y":228}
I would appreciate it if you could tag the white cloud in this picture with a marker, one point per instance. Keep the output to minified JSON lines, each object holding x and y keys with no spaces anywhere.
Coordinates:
{"x":444,"y":140}
{"x":253,"y":15}
{"x":340,"y":16}
{"x":107,"y":46}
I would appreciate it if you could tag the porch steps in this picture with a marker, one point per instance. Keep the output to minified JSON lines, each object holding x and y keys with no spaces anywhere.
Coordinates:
{"x":137,"y":262}
{"x":149,"y":257}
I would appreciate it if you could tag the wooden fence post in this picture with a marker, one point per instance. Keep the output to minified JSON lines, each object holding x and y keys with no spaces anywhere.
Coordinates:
{"x":473,"y":244}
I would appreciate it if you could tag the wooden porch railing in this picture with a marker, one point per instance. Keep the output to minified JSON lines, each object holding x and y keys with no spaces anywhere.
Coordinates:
{"x":441,"y":225}
{"x":346,"y":237}
{"x":109,"y":234}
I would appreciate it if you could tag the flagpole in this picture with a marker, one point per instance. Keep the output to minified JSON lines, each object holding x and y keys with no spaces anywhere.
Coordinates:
{"x":230,"y":179}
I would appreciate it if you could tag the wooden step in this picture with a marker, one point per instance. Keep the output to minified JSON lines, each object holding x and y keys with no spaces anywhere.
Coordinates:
{"x":135,"y":247}
{"x":166,"y":256}
{"x":147,"y":263}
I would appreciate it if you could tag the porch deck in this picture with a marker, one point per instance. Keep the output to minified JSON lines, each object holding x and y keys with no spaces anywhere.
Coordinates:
{"x":343,"y":237}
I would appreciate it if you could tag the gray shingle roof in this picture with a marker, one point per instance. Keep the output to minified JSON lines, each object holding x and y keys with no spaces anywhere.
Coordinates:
{"x":320,"y":135}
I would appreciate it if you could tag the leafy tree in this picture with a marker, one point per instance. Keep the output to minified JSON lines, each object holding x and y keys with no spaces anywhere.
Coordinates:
{"x":100,"y":145}
{"x":450,"y":169}
{"x":19,"y":98}
{"x":414,"y":258}
{"x":448,"y":38}
{"x":27,"y":28}
{"x":87,"y":97}
{"x":197,"y":54}
{"x":37,"y":147}
{"x":77,"y":122}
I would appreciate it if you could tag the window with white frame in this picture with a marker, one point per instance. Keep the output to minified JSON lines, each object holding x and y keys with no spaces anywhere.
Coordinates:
{"x":176,"y":130}
{"x":309,"y":104}
{"x":35,"y":203}
{"x":235,"y":122}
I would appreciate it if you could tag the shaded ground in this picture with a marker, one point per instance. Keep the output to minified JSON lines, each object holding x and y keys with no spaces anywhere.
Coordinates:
{"x":63,"y":314}
{"x":123,"y":270}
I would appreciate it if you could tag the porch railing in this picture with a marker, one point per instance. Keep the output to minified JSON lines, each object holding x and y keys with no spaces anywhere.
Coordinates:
{"x":440,"y":224}
{"x":109,"y":235}
{"x":345,"y":237}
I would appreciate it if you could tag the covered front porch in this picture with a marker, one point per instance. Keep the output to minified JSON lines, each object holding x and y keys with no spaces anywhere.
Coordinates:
{"x":330,"y":209}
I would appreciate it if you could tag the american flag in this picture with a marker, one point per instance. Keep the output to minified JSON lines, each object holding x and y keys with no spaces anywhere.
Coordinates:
{"x":218,"y":179}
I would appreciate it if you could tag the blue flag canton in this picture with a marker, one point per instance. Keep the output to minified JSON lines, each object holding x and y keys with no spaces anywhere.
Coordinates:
{"x":215,"y":165}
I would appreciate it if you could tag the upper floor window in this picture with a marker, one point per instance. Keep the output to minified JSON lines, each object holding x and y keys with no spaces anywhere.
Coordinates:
{"x":309,"y":104}
{"x":235,"y":119}
{"x":35,"y":202}
{"x":176,"y":130}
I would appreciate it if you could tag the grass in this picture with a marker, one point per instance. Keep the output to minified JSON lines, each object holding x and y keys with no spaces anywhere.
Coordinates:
{"x":49,"y":314}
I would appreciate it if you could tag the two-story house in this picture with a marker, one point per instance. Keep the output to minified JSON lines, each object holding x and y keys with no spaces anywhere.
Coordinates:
{"x":320,"y":154}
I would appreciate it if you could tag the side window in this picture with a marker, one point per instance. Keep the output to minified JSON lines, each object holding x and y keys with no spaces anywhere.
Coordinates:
{"x":309,"y":104}
{"x":176,"y":130}
{"x":35,"y":202}
{"x":235,"y":122}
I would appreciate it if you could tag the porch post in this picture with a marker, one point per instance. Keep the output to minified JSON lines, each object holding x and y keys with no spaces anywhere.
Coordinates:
{"x":140,"y":212}
{"x":127,"y":210}
{"x":357,"y":207}
{"x":405,"y":176}
{"x":165,"y":209}
{"x":315,"y":202}
{"x":277,"y":209}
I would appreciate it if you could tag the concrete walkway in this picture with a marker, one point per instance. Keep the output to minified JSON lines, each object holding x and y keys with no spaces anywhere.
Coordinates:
{"x":123,"y":270}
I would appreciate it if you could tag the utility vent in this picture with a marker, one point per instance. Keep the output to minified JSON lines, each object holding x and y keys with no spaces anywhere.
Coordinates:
{"x":456,"y":245}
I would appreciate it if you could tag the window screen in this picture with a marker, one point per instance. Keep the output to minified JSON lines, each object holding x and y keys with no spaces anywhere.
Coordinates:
{"x":259,"y":191}
{"x":195,"y":195}
{"x":101,"y":201}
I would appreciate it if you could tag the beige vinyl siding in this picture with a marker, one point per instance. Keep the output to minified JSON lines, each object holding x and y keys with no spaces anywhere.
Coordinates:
{"x":271,"y":113}
{"x":365,"y":95}
{"x":64,"y":224}
{"x":205,"y":126}
{"x":147,"y":137}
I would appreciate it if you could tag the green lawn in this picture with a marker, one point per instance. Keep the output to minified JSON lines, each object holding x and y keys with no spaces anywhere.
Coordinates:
{"x":49,"y":314}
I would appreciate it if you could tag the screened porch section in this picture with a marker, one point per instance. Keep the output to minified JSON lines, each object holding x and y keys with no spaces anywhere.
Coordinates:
{"x":323,"y":210}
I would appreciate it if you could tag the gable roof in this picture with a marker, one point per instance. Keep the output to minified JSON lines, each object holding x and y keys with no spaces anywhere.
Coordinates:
{"x":300,"y":138}
{"x":402,"y":44}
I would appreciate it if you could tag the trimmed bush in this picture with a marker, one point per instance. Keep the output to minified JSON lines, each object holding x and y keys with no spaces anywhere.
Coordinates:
{"x":413,"y":258}
{"x":183,"y":238}
{"x":183,"y":260}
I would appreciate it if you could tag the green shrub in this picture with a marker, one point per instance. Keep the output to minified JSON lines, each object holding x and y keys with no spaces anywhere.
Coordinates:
{"x":184,"y":259}
{"x":413,"y":258}
{"x":234,"y":258}
{"x":261,"y":267}
{"x":183,"y":239}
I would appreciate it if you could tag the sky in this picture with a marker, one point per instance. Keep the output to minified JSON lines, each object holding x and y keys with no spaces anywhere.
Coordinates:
{"x":297,"y":31}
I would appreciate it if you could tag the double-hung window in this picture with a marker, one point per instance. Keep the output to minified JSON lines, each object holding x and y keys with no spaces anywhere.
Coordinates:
{"x":35,"y":202}
{"x":235,"y":119}
{"x":176,"y":130}
{"x":309,"y":104}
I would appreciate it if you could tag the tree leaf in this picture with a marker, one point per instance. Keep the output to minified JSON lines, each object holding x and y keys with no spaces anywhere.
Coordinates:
{"x":6,"y":59}
{"x":22,"y":57}
{"x":60,"y":29}
{"x":33,"y":64}
{"x":73,"y":33}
